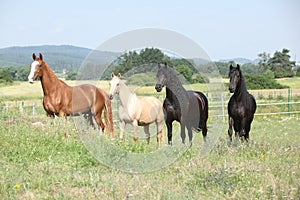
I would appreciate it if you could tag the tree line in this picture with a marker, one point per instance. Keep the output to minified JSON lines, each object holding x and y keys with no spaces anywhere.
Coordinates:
{"x":259,"y":75}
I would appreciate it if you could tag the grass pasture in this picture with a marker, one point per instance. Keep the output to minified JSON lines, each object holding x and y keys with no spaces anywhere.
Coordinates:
{"x":50,"y":161}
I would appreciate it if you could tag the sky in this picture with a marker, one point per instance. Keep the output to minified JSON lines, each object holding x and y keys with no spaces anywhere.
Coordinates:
{"x":224,"y":29}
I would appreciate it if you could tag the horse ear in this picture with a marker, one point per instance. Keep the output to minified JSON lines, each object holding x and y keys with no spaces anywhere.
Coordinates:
{"x":112,"y":74}
{"x":231,"y":67}
{"x":119,"y":75}
{"x":41,"y":56}
{"x":33,"y":56}
{"x":238,"y":66}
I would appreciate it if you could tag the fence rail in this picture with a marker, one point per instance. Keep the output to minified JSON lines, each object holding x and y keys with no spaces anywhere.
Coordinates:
{"x":217,"y":105}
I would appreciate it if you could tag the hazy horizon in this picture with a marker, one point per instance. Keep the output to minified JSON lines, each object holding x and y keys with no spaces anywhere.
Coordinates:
{"x":224,"y":29}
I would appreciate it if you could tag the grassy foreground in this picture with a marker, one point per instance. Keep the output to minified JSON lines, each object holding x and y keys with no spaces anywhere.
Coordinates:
{"x":50,"y":161}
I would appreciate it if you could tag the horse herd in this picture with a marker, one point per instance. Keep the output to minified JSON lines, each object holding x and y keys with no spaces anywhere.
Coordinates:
{"x":189,"y":108}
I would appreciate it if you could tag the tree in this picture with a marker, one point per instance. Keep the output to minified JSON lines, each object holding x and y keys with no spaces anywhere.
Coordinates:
{"x":23,"y":73}
{"x":151,"y":55}
{"x":262,"y":64}
{"x":298,"y":72}
{"x":5,"y":77}
{"x":71,"y":76}
{"x":185,"y":71}
{"x":280,"y":64}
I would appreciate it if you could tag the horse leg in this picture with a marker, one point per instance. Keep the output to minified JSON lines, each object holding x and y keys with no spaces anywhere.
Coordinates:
{"x":190,"y":133}
{"x":89,"y":119}
{"x":99,"y":121}
{"x":182,"y":127}
{"x":135,"y":127}
{"x":247,"y":130}
{"x":169,"y":127}
{"x":242,"y":132}
{"x":122,"y":126}
{"x":230,"y":122}
{"x":204,"y":128}
{"x":159,"y":126}
{"x":147,"y":133}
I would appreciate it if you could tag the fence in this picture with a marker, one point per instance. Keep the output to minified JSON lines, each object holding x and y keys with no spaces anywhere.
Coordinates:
{"x":272,"y":102}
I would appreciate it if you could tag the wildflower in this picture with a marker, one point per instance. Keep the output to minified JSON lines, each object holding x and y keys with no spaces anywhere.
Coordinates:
{"x":262,"y":156}
{"x":17,"y":187}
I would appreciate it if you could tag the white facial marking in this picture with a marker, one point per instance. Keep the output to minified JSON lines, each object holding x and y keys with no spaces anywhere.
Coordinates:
{"x":32,"y":69}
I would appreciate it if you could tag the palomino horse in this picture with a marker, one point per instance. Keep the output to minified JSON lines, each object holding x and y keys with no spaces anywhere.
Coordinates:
{"x":241,"y":106}
{"x":189,"y":108}
{"x":137,"y":111}
{"x":63,"y":100}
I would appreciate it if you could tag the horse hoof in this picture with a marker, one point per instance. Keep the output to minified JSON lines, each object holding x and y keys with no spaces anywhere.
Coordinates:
{"x":135,"y":138}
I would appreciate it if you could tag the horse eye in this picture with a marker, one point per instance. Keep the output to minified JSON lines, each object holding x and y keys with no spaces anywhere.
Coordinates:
{"x":118,"y":84}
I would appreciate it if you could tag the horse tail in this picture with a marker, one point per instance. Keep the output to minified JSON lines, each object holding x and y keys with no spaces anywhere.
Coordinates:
{"x":108,"y":115}
{"x":203,"y":109}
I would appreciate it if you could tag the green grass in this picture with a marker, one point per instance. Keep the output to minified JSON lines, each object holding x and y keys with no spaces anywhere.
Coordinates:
{"x":291,"y":82}
{"x":50,"y":161}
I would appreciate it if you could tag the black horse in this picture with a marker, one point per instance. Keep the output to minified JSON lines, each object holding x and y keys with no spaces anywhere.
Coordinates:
{"x":241,"y":106}
{"x":189,"y":108}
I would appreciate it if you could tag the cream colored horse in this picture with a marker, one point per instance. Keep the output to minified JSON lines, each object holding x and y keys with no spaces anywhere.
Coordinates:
{"x":135,"y":110}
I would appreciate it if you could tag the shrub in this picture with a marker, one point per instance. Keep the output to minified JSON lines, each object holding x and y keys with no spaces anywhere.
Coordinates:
{"x":263,"y":81}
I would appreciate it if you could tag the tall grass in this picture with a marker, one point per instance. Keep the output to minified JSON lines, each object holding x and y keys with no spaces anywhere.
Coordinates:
{"x":50,"y":161}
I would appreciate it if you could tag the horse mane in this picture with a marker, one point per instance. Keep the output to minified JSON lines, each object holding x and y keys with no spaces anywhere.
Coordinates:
{"x":51,"y":74}
{"x":174,"y":89}
{"x":173,"y":82}
{"x":242,"y":81}
{"x":49,"y":70}
{"x":242,"y":91}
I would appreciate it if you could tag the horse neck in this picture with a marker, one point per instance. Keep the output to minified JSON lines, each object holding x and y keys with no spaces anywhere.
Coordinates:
{"x":241,"y":90}
{"x":49,"y":80}
{"x":176,"y":93}
{"x":125,"y":94}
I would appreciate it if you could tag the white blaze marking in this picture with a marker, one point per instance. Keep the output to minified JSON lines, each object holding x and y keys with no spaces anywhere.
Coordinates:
{"x":32,"y":69}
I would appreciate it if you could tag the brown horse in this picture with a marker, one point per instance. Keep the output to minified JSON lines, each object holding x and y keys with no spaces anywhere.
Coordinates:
{"x":63,"y":100}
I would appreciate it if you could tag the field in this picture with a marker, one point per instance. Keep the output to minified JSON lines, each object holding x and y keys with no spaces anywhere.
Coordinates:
{"x":52,"y":161}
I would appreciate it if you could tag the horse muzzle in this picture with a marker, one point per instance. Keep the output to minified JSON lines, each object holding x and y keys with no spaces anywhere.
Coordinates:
{"x":158,"y":87}
{"x":31,"y":80}
{"x":231,"y":90}
{"x":111,"y":96}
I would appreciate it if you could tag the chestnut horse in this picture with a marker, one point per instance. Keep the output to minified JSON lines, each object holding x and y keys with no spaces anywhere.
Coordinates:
{"x":63,"y":100}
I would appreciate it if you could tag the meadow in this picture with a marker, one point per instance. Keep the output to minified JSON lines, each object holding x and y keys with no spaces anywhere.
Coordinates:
{"x":51,"y":161}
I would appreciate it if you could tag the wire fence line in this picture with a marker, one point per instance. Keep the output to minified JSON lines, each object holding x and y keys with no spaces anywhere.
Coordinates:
{"x":269,"y":102}
{"x":274,"y":108}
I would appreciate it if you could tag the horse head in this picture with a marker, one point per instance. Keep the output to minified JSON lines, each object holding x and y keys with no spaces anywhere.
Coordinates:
{"x":235,"y":76}
{"x":161,"y":77}
{"x":114,"y":85}
{"x":35,"y":68}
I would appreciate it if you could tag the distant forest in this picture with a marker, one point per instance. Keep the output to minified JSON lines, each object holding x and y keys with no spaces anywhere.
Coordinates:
{"x":15,"y":61}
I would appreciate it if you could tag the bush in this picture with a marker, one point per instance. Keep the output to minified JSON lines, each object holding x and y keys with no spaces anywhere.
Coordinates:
{"x":264,"y":81}
{"x":298,"y":72}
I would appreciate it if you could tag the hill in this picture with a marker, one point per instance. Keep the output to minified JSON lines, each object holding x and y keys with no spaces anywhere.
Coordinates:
{"x":58,"y":57}
{"x":238,"y":60}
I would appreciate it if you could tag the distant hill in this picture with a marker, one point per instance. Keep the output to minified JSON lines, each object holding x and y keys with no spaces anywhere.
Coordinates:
{"x":238,"y":60}
{"x":58,"y":57}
